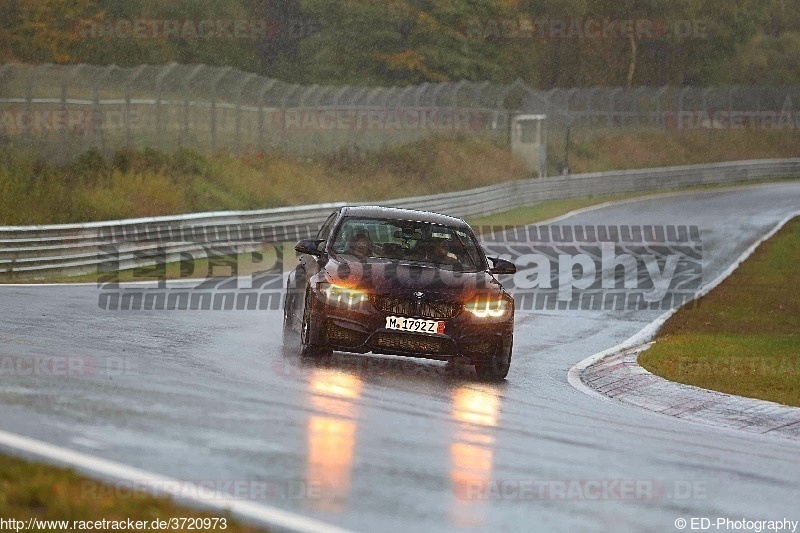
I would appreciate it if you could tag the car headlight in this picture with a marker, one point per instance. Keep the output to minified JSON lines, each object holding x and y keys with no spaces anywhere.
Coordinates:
{"x":343,"y":296}
{"x":487,"y":306}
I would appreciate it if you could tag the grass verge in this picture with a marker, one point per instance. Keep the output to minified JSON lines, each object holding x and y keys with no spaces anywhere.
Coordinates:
{"x":530,"y":214}
{"x":647,"y":148}
{"x":744,"y":336}
{"x":148,"y":182}
{"x":31,"y":490}
{"x":144,"y":183}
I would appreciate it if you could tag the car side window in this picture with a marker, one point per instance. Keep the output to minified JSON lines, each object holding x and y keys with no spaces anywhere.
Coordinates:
{"x":325,"y":230}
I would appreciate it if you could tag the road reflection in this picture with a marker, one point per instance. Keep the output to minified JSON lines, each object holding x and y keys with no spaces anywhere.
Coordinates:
{"x":475,"y":413}
{"x":332,"y":436}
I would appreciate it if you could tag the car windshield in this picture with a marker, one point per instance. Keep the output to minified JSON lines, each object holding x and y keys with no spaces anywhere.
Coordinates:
{"x":443,"y":246}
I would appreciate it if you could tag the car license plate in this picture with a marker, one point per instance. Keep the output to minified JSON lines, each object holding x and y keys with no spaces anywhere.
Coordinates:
{"x":414,"y":325}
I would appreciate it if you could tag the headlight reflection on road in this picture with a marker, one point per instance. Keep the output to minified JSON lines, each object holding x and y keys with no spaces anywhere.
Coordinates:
{"x":475,"y":406}
{"x":471,"y":453}
{"x":332,"y":436}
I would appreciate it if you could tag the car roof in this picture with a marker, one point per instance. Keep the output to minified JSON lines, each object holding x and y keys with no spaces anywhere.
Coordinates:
{"x":396,"y":213}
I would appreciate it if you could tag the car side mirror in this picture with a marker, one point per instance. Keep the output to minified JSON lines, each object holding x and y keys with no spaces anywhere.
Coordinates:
{"x":501,"y":266}
{"x":309,"y":246}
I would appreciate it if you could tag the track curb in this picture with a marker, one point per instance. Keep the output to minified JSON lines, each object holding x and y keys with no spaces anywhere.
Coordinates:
{"x":615,"y":374}
{"x":620,"y":377}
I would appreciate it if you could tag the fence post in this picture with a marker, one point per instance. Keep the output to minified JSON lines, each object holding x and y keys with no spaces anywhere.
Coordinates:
{"x":611,"y":110}
{"x":214,"y":83}
{"x":99,"y":132}
{"x":659,"y":111}
{"x":27,"y":131}
{"x":126,"y":116}
{"x":706,"y":92}
{"x":284,"y":104}
{"x":238,"y":119}
{"x":128,"y":110}
{"x":184,"y":137}
{"x":159,"y":79}
{"x":268,"y":84}
{"x":98,"y":112}
{"x":64,"y":138}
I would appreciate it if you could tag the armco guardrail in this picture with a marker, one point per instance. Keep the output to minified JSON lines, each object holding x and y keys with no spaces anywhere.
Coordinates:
{"x":30,"y":252}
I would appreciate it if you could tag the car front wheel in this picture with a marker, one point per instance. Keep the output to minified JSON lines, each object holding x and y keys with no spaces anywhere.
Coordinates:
{"x":290,"y":337}
{"x":497,"y":367}
{"x":307,"y":347}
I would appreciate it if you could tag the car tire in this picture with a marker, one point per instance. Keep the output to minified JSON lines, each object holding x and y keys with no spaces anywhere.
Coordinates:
{"x":496,"y":369}
{"x":308,"y":348}
{"x":291,"y":340}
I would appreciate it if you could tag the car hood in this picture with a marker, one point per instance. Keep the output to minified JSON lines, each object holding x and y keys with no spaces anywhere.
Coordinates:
{"x":394,"y":277}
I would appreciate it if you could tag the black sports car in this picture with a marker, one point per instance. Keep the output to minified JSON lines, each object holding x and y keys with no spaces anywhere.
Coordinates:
{"x":403,"y":282}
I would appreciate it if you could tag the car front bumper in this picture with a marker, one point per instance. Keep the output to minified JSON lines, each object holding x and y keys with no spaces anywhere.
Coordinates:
{"x":363,"y":330}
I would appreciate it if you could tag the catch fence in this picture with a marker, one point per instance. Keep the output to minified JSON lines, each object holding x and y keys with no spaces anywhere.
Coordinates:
{"x":61,"y":111}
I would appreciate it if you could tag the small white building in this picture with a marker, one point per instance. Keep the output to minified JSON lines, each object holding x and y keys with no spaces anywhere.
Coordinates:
{"x":529,"y":142}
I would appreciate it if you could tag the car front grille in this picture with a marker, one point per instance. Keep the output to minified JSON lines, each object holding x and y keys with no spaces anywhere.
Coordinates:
{"x":419,"y":308}
{"x":412,"y":343}
{"x":482,"y":348}
{"x":339,"y":336}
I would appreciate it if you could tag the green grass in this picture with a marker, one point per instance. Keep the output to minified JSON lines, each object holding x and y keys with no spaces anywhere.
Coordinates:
{"x":603,"y":150}
{"x":143,"y":183}
{"x":530,"y":214}
{"x":744,"y":336}
{"x":32,"y":490}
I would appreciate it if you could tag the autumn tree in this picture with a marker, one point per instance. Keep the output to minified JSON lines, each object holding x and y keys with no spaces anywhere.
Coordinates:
{"x":43,"y":31}
{"x":397,"y":42}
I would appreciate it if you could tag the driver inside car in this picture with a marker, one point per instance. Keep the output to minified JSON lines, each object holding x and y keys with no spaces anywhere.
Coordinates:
{"x":439,"y":252}
{"x":359,"y":244}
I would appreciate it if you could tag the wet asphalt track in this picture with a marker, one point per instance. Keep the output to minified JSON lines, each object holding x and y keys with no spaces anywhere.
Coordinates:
{"x":377,"y":443}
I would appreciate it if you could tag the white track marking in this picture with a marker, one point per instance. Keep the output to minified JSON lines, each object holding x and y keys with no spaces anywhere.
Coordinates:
{"x":165,"y":486}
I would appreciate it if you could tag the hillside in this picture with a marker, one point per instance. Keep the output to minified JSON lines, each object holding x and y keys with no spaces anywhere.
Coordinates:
{"x":148,"y":182}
